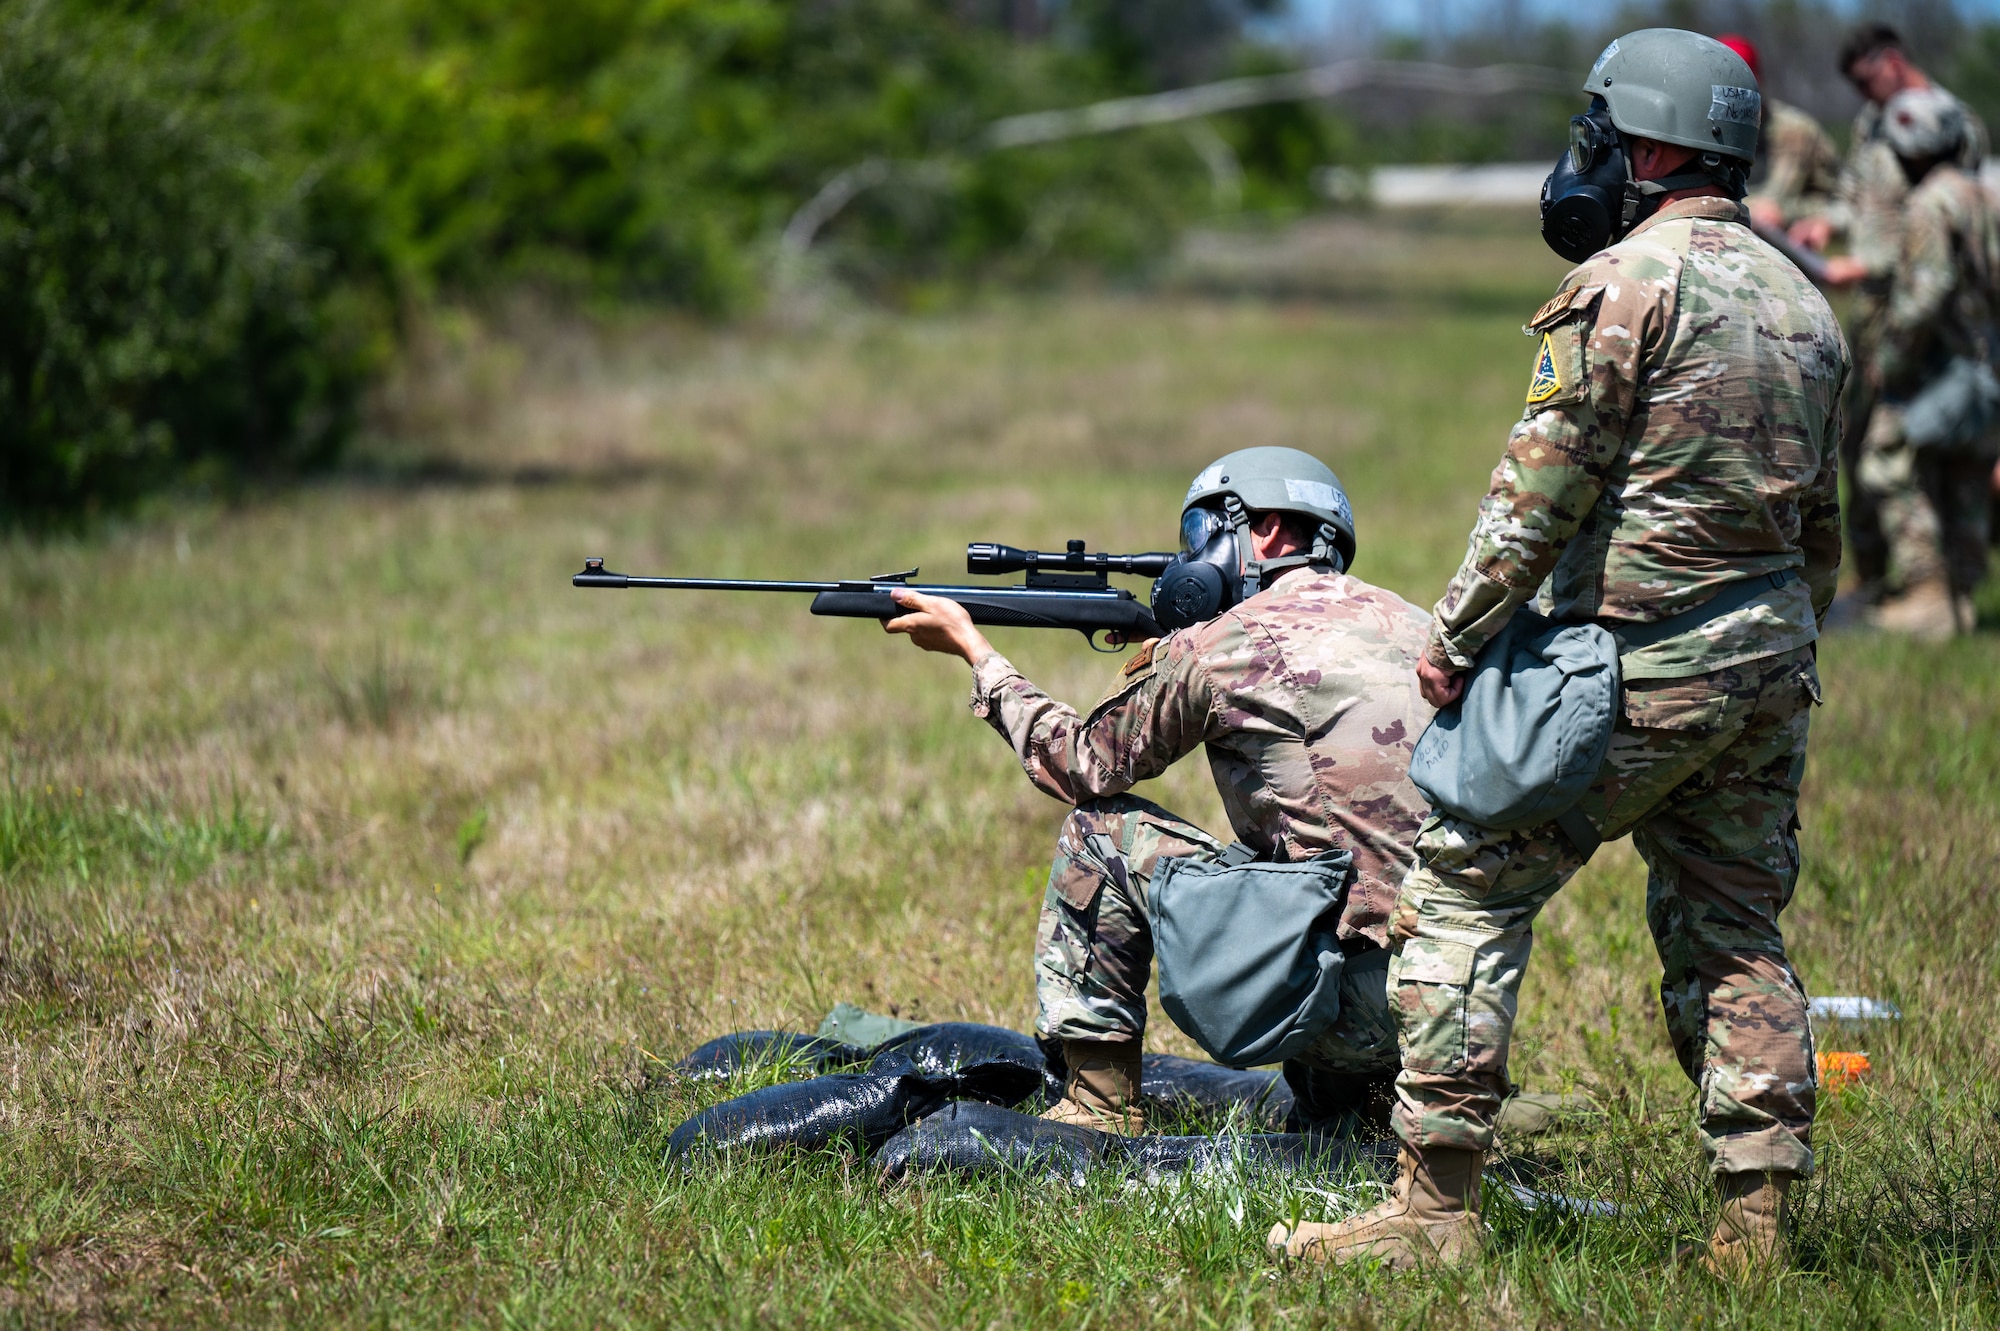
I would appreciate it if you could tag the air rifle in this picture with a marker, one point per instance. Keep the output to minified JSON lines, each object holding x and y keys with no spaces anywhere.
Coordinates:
{"x":1071,"y":590}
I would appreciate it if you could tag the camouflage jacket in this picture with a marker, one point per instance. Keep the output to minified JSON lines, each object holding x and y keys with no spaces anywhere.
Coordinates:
{"x":1801,"y":165}
{"x":1941,"y":290}
{"x":1306,"y":698}
{"x":1680,"y":435}
{"x":1868,"y":201}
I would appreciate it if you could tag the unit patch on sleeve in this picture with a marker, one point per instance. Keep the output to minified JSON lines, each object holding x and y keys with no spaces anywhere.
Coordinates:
{"x":1141,"y":659}
{"x":1546,"y":383}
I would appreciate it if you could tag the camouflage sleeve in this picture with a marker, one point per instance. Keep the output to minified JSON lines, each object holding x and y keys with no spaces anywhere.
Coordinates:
{"x":1819,"y":520}
{"x":1925,"y":275}
{"x":1873,"y":190}
{"x":1160,"y":709}
{"x":1580,"y":401}
{"x":1803,"y":167}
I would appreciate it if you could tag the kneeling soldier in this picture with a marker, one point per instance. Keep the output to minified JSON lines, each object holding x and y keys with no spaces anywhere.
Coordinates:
{"x":1304,"y":694}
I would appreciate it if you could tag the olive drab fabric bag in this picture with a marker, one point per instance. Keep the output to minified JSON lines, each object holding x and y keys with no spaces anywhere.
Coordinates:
{"x":1524,"y":741}
{"x":1249,"y":964}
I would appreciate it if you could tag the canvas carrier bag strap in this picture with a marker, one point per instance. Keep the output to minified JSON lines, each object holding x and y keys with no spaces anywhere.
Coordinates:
{"x":1728,"y":601}
{"x":1249,"y":962}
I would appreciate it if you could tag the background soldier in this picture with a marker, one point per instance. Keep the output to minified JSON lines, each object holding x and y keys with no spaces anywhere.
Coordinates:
{"x":1926,"y":459}
{"x":1303,"y":694}
{"x":1678,"y":445}
{"x":1796,"y":157}
{"x":1867,"y":211}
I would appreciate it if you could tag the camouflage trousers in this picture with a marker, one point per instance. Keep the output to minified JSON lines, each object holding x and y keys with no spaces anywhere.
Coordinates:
{"x":1704,"y":773}
{"x":1935,"y":503}
{"x":1094,"y":949}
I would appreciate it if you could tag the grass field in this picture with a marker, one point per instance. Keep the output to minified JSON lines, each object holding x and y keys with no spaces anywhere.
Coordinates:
{"x":358,"y":878}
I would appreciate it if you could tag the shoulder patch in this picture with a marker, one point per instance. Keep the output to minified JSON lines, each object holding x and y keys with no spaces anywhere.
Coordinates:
{"x":1568,"y":301}
{"x":1140,"y":659}
{"x":1546,"y":383}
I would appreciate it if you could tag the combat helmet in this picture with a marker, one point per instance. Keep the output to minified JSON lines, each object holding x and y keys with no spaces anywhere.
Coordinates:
{"x":1215,"y":568}
{"x":1682,"y":88}
{"x":1924,"y":123}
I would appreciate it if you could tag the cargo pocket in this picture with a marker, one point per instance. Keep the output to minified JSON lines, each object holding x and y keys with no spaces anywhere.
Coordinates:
{"x":1693,"y":708}
{"x":1430,"y":983}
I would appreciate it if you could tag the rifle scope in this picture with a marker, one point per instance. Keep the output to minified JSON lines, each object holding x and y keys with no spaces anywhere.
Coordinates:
{"x":987,"y":557}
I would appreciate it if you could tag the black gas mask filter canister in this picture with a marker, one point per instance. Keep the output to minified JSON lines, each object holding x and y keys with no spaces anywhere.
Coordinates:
{"x":1206,"y":577}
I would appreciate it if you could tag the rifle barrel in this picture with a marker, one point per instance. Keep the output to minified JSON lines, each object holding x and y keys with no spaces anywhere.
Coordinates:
{"x":618,"y":580}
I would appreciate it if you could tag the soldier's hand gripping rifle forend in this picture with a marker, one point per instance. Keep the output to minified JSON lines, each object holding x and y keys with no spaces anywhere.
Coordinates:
{"x":1071,"y":590}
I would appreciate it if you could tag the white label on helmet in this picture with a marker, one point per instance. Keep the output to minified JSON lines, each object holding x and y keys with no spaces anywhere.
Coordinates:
{"x":1734,"y":106}
{"x":1602,"y":60}
{"x":1206,"y":481}
{"x":1320,"y":495}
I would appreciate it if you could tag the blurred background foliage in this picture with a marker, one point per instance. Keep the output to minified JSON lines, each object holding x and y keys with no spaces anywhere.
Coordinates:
{"x":220,"y":219}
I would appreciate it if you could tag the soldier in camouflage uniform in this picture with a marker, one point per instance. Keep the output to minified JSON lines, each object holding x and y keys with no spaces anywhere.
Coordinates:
{"x":1799,"y":163}
{"x":1867,"y":211}
{"x":1932,"y":358}
{"x":1679,"y":439}
{"x":1304,"y":697}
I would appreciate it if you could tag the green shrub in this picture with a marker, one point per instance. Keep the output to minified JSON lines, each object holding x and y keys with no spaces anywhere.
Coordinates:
{"x":161,"y":314}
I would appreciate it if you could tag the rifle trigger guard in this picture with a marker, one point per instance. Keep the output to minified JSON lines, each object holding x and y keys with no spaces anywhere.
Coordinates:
{"x":1090,"y":636}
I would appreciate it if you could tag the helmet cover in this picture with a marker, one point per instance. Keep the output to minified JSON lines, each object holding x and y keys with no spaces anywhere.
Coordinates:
{"x":1680,"y":87}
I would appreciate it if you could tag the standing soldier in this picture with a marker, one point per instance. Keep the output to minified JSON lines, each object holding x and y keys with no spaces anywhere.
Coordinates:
{"x":1868,"y":211}
{"x":1926,"y":459}
{"x":1678,"y":447}
{"x":1798,"y":160}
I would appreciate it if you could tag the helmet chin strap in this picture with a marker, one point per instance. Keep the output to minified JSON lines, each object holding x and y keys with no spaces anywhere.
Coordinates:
{"x":1644,"y":197}
{"x":1324,"y":552}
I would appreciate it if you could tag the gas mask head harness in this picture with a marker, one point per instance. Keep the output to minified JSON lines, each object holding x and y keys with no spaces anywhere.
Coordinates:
{"x":1215,"y":568}
{"x":1591,"y":198}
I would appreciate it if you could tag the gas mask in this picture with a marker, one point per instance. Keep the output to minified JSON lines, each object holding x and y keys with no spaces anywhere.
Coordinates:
{"x":1590,"y":199}
{"x":1206,"y":578}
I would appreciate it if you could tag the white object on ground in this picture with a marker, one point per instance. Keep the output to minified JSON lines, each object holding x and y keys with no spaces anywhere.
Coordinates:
{"x":1848,"y":1007}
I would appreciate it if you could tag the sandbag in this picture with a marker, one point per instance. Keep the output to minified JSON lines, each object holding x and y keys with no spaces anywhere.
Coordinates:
{"x":863,"y":1108}
{"x":911,"y":1075}
{"x":1187,"y":1086}
{"x":727,"y":1055}
{"x":984,"y":1139}
{"x":966,"y":1138}
{"x":988,"y":1063}
{"x":1306,"y":1155}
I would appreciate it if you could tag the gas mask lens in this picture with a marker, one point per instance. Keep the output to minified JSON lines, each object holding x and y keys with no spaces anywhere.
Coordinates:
{"x":1587,"y":139}
{"x":1198,"y":528}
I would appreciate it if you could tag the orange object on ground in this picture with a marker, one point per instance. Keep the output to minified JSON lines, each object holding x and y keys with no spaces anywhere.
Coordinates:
{"x":1838,"y":1071}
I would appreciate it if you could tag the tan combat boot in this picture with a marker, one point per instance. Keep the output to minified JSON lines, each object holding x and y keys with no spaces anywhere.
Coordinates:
{"x":1102,"y":1091}
{"x":1433,"y":1217}
{"x":1923,"y":611}
{"x":1751,"y":1233}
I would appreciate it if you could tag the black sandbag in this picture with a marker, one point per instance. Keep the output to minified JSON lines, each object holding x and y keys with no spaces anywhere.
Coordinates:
{"x":727,"y":1055}
{"x":1193,"y":1086}
{"x":866,"y":1108}
{"x":966,"y":1137}
{"x":1306,"y":1155}
{"x":989,"y":1063}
